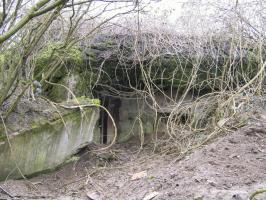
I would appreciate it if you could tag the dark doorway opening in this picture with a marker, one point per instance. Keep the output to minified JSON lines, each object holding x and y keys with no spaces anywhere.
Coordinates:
{"x":107,"y":129}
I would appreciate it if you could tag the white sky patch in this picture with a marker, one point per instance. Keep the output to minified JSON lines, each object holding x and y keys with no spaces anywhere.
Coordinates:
{"x":181,"y":15}
{"x":170,"y":9}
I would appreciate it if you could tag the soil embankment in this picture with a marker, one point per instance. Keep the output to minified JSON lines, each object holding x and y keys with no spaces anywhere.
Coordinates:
{"x":230,"y":168}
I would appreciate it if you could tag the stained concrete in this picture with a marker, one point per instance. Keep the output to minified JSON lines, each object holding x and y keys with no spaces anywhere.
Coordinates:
{"x":47,"y":145}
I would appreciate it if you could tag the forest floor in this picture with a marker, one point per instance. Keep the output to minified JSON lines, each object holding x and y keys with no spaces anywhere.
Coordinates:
{"x":231,"y":167}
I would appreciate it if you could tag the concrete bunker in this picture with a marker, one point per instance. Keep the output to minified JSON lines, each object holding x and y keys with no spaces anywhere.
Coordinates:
{"x":132,"y":117}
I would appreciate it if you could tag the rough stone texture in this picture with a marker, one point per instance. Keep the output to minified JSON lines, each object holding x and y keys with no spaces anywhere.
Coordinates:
{"x":47,"y":145}
{"x":77,"y":84}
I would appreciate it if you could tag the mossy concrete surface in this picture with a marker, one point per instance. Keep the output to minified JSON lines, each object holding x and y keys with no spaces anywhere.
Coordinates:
{"x":135,"y":118}
{"x":46,"y":146}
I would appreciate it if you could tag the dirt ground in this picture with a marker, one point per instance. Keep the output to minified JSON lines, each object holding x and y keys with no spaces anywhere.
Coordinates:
{"x":230,"y":168}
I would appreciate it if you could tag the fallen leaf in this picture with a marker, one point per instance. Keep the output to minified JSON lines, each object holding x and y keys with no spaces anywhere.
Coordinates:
{"x":234,"y":156}
{"x":93,"y":196}
{"x":151,"y":196}
{"x":138,"y":175}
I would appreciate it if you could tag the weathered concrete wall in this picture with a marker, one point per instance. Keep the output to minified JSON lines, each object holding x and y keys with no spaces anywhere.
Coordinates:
{"x":135,"y":115}
{"x":46,"y":146}
{"x":135,"y":118}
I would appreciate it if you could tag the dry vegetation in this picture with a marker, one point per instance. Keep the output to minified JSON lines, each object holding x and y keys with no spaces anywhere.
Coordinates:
{"x":215,"y":51}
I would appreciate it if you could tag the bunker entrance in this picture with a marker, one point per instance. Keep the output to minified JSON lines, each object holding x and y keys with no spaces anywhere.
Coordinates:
{"x":107,"y":128}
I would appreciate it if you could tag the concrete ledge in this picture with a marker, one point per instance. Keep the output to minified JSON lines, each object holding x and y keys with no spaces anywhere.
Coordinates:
{"x":48,"y":145}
